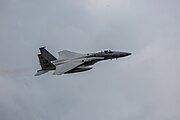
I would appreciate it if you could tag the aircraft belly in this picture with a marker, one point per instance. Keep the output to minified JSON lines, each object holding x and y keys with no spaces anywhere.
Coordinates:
{"x":92,"y":62}
{"x":79,"y":69}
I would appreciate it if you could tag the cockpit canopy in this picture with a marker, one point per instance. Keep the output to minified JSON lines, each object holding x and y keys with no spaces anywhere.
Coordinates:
{"x":105,"y":51}
{"x":108,"y":51}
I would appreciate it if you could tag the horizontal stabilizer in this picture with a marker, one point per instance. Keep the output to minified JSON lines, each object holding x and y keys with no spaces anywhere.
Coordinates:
{"x":40,"y":72}
{"x":65,"y":54}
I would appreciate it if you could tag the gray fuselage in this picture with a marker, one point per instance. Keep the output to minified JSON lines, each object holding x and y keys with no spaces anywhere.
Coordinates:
{"x":91,"y":59}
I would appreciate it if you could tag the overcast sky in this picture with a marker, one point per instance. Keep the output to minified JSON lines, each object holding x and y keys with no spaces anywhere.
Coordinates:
{"x":144,"y":86}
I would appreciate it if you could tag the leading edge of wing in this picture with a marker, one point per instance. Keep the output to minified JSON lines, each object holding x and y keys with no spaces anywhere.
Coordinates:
{"x":65,"y":67}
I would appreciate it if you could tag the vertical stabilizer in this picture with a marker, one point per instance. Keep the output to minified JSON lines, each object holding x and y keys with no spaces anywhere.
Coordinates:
{"x":47,"y":54}
{"x":45,"y":59}
{"x":45,"y":63}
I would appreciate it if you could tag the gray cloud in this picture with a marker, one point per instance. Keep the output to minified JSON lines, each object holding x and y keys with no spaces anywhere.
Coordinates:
{"x":143,"y":86}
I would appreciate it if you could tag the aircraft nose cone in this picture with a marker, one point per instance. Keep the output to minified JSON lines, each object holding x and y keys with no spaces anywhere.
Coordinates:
{"x":124,"y":54}
{"x":127,"y":54}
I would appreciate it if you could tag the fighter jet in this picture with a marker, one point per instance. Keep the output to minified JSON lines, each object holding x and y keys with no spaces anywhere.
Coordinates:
{"x":72,"y":62}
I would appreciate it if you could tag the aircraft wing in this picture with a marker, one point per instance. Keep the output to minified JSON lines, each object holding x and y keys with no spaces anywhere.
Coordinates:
{"x":65,"y":67}
{"x":65,"y":54}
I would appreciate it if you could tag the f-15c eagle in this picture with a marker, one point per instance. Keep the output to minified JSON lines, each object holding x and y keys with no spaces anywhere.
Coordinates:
{"x":71,"y":62}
